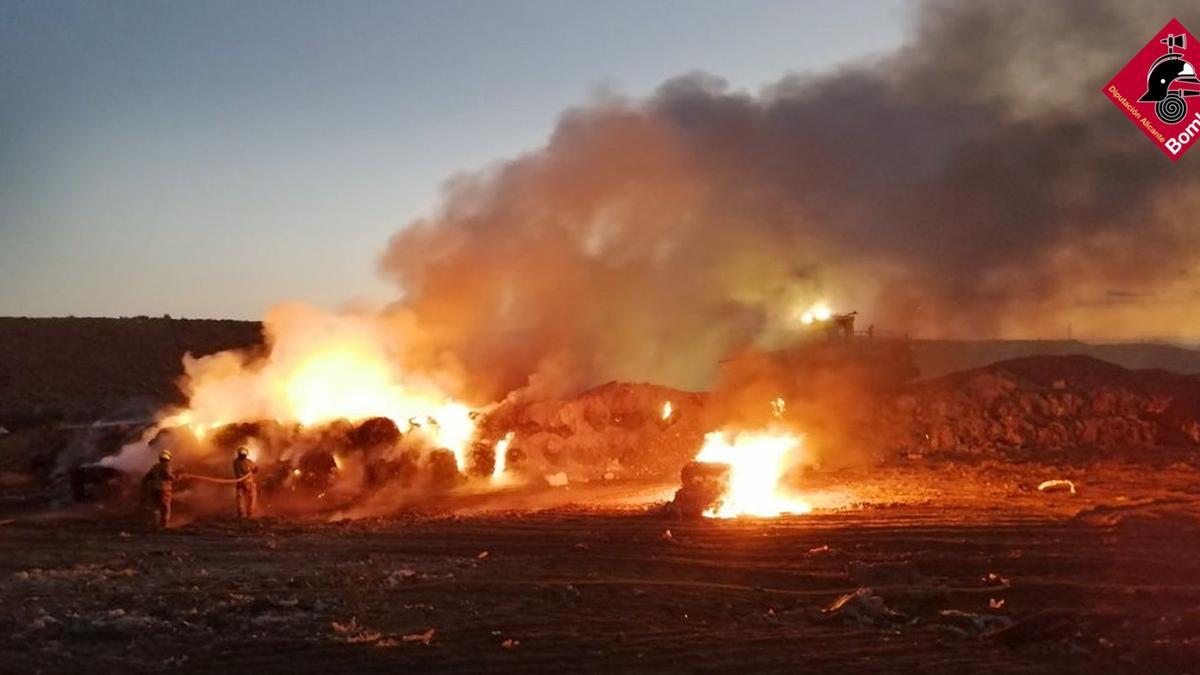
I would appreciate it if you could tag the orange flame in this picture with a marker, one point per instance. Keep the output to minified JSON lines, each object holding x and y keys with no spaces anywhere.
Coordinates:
{"x":758,"y":461}
{"x":321,"y":368}
{"x":501,"y":461}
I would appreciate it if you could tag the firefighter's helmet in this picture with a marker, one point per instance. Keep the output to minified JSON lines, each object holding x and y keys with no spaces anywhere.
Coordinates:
{"x":165,"y":455}
{"x":243,"y":451}
{"x":1167,"y":70}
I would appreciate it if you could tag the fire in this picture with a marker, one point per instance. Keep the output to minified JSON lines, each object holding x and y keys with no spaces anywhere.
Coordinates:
{"x":666,"y":410}
{"x":818,"y":312}
{"x":501,"y":461}
{"x":757,"y":461}
{"x":453,"y":429}
{"x":321,"y":368}
{"x":187,"y":419}
{"x":778,"y":406}
{"x":339,"y":384}
{"x":343,"y":383}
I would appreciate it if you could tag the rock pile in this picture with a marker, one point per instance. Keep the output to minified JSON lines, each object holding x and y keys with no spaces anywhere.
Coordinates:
{"x":1027,"y":407}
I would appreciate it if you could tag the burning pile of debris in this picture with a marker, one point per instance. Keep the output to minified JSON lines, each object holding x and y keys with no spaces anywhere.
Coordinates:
{"x":616,"y":430}
{"x":703,"y":486}
{"x":1039,"y":406}
{"x":1031,"y":408}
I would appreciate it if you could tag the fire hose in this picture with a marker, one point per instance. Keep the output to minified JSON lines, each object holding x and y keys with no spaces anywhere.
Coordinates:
{"x":213,"y":479}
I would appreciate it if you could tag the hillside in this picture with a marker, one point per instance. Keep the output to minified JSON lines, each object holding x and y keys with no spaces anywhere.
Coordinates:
{"x":935,"y":358}
{"x":78,"y":369}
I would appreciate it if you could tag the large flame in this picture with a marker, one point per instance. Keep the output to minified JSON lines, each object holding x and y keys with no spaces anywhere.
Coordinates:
{"x":758,"y":461}
{"x":320,"y":368}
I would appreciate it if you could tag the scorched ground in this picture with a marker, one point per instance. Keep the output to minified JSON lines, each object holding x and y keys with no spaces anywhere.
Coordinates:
{"x":964,"y":568}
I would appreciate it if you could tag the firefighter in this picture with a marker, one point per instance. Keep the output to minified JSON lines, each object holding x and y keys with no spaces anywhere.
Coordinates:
{"x":157,"y":489}
{"x":244,"y":469}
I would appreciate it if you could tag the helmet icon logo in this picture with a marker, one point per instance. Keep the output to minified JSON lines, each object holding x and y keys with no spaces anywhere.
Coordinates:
{"x":1157,"y":90}
{"x":1170,"y":80}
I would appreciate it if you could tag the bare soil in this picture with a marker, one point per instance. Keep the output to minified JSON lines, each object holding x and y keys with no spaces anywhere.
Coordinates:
{"x":970,"y":569}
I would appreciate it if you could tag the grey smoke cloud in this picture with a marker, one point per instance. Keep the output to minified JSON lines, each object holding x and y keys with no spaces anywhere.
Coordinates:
{"x":974,"y":183}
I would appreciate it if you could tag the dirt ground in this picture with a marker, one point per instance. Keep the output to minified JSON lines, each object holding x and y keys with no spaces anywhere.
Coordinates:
{"x":967,"y":569}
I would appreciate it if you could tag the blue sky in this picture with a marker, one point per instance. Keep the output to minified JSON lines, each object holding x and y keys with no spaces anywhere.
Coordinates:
{"x":210,"y":159}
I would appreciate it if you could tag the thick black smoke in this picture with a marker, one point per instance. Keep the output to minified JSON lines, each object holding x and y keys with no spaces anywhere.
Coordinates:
{"x":974,"y":183}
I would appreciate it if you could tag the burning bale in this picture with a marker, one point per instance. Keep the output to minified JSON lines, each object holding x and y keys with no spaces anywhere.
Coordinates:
{"x":742,"y":473}
{"x":704,"y":485}
{"x":616,"y":430}
{"x":759,"y":462}
{"x":374,"y":433}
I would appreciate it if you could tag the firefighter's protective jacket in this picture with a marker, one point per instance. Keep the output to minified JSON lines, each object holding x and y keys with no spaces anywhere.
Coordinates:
{"x":244,"y":466}
{"x":159,"y":479}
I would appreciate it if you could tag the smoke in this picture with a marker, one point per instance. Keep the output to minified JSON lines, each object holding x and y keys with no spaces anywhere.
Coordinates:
{"x":974,"y":183}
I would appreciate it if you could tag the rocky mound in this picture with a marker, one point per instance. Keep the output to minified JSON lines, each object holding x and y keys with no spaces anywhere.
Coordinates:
{"x":1033,"y":406}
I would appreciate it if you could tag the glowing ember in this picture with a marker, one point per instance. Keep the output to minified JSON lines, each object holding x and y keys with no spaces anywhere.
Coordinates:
{"x":666,"y":410}
{"x":757,"y":461}
{"x":778,"y":406}
{"x":501,"y":461}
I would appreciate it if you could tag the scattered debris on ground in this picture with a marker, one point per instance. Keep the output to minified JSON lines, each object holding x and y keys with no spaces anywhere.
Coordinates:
{"x":864,"y":607}
{"x":1057,"y":485}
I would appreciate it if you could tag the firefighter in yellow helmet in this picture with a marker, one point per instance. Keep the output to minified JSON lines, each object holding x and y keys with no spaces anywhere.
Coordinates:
{"x":244,"y":469}
{"x":158,"y":488}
